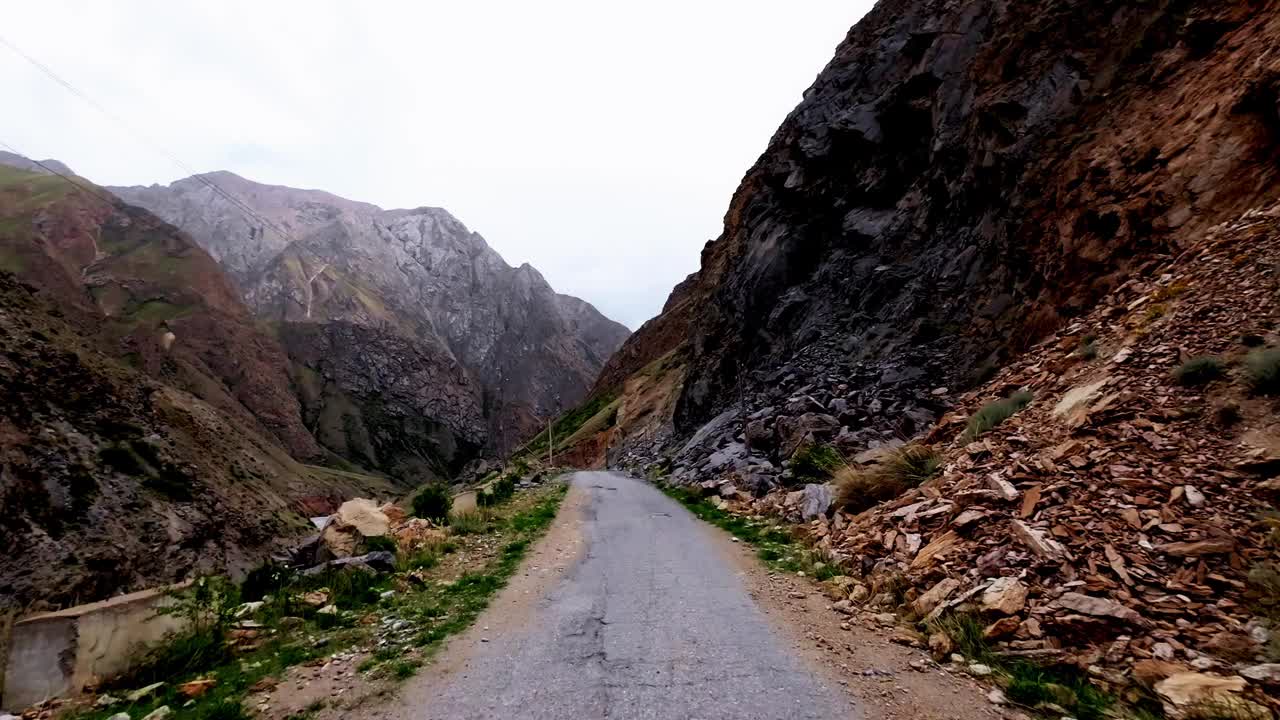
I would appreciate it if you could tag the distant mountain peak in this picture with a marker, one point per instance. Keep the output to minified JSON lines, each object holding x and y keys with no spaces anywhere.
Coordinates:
{"x":44,"y":167}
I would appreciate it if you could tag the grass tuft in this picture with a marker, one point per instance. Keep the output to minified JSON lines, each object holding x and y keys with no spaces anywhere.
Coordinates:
{"x":1199,"y":370}
{"x":994,"y":413}
{"x":1262,"y":368}
{"x":816,"y":463}
{"x":858,"y":488}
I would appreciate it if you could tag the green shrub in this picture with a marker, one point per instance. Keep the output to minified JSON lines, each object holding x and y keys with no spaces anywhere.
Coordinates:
{"x":994,"y":413}
{"x":498,"y":492}
{"x":858,"y":488}
{"x":1199,"y":370}
{"x":1262,"y":368}
{"x":816,"y":463}
{"x":433,"y":502}
{"x":380,"y":543}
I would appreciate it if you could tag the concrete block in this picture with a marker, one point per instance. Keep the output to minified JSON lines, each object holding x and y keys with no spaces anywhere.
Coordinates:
{"x":58,"y":653}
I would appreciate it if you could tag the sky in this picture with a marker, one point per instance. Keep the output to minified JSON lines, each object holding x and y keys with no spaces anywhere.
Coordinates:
{"x":598,"y":141}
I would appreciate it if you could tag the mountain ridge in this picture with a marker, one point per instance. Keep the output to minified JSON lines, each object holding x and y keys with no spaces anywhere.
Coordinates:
{"x":417,"y":272}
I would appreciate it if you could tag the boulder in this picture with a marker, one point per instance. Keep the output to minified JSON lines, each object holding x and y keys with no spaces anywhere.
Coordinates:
{"x":759,"y":435}
{"x":1005,"y":596}
{"x":354,"y":521}
{"x":1184,"y":693}
{"x":815,"y":501}
{"x":793,"y":432}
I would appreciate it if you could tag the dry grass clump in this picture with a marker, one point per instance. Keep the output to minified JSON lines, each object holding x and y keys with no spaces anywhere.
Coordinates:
{"x":858,"y":488}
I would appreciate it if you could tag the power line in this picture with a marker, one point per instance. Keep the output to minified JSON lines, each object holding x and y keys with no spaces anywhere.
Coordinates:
{"x":236,"y":202}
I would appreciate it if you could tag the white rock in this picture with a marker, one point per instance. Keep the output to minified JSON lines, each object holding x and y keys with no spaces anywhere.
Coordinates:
{"x":996,"y":696}
{"x":1194,"y":497}
{"x":1162,"y":651}
{"x":117,"y":716}
{"x":978,"y":669}
{"x":1264,"y":673}
{"x":159,"y":713}
{"x":140,"y":693}
{"x":326,"y":610}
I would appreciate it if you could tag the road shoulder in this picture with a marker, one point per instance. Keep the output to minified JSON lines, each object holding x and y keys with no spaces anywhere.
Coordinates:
{"x":853,"y":653}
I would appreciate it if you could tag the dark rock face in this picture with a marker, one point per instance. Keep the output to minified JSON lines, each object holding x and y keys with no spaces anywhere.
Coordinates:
{"x":385,"y":401}
{"x":960,"y":179}
{"x":417,"y":274}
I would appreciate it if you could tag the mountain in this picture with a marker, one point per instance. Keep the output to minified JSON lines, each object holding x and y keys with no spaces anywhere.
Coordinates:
{"x":963,"y":179}
{"x":417,"y":276}
{"x":993,"y":322}
{"x":148,"y":428}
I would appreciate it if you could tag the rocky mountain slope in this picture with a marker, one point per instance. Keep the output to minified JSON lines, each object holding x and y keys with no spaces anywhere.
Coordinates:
{"x":963,"y":178}
{"x":985,"y":200}
{"x":147,"y":427}
{"x":410,"y":276}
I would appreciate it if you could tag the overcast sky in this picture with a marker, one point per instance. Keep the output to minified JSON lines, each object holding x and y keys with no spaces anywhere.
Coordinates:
{"x":598,"y":141}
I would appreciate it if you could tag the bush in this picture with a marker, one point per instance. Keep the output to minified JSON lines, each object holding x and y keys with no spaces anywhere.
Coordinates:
{"x":994,"y":413}
{"x":1262,"y":367}
{"x":908,"y":466}
{"x":816,"y":462}
{"x":498,"y":492}
{"x":1199,"y":370}
{"x":433,"y":502}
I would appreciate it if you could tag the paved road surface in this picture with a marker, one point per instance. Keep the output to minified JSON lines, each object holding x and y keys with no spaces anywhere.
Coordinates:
{"x":650,"y":623}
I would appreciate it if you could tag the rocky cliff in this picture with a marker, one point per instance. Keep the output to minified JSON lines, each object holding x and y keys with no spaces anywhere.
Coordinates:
{"x":963,"y":178}
{"x":419,"y":275}
{"x":1036,"y":243}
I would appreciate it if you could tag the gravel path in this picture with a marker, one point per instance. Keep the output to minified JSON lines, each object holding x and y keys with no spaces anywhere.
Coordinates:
{"x":650,"y":621}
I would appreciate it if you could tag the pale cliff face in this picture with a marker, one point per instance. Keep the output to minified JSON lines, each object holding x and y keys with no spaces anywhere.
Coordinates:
{"x":417,"y":273}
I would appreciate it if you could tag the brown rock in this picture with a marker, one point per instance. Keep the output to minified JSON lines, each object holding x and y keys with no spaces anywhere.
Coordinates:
{"x":1150,"y":672}
{"x":1099,"y":607}
{"x":1001,"y":628}
{"x":934,"y":596}
{"x":1212,"y":546}
{"x":939,"y":547}
{"x":941,"y":645}
{"x":1233,"y":646}
{"x":196,"y":688}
